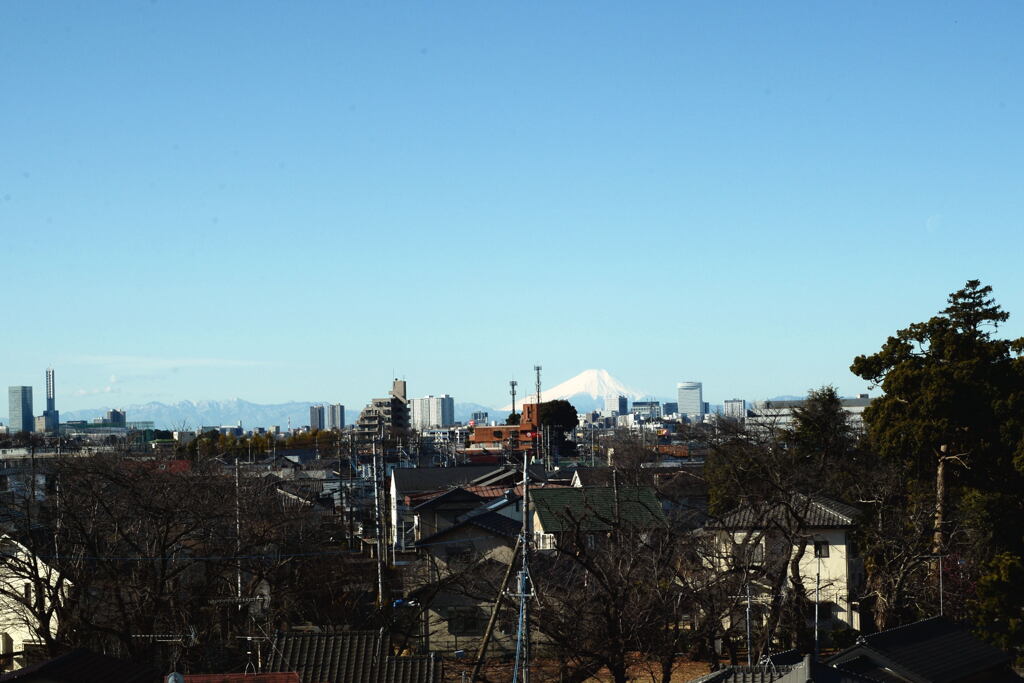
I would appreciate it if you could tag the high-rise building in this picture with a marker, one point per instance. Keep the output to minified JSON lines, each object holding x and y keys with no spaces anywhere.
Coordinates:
{"x":316,"y":418}
{"x":20,"y":407}
{"x":669,"y":408}
{"x":51,"y":418}
{"x":335,"y":416}
{"x":615,"y":405}
{"x":735,"y":408}
{"x":479,"y":418}
{"x":385,"y":417}
{"x":432,"y":412}
{"x":691,"y":400}
{"x":117,"y":418}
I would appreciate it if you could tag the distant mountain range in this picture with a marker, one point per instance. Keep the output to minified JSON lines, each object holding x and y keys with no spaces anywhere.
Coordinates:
{"x":191,"y":414}
{"x":586,"y":391}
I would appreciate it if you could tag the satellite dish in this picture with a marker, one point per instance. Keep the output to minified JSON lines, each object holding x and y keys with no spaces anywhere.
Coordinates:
{"x":175,"y":677}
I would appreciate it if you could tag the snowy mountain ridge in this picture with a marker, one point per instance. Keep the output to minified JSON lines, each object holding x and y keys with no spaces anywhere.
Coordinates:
{"x":586,"y":389}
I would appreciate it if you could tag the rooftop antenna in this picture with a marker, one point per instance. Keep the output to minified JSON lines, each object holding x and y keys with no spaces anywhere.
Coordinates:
{"x":536,"y":415}
{"x":512,"y":387}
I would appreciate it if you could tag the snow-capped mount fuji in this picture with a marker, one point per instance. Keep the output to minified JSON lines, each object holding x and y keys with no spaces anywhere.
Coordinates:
{"x":586,"y":391}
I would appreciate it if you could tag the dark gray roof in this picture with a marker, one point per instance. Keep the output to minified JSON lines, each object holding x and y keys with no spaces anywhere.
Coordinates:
{"x":457,"y":494}
{"x":349,"y":656}
{"x":346,"y":656}
{"x":417,"y":479}
{"x":422,"y":669}
{"x":82,"y":666}
{"x":596,"y":508}
{"x":933,"y":650}
{"x":496,"y":523}
{"x":810,"y":511}
{"x":493,"y":522}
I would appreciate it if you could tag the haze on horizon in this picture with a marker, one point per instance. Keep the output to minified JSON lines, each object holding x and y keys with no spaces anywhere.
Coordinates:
{"x":278,"y":202}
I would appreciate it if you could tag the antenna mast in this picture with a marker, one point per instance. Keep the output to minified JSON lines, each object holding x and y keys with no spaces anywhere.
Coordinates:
{"x":540,"y":437}
{"x":512,"y":386}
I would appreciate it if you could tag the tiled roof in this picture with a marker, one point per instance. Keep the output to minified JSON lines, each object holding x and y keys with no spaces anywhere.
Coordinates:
{"x":420,"y":669}
{"x":349,"y":657}
{"x":810,"y":511}
{"x":596,"y":508}
{"x":318,"y":657}
{"x":930,"y":650}
{"x":82,"y":666}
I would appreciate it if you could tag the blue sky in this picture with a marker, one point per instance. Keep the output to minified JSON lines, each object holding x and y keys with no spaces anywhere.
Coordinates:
{"x":298,"y":201}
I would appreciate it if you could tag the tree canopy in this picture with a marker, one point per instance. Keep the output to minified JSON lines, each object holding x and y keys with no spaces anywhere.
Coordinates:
{"x":951,"y":420}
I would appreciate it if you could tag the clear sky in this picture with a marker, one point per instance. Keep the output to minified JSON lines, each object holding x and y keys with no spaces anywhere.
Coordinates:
{"x":298,"y":201}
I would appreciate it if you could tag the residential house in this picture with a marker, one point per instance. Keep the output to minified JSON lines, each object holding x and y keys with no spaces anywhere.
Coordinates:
{"x":682,"y":490}
{"x":410,"y":487}
{"x":761,"y":538}
{"x":22,"y":577}
{"x":591,"y":510}
{"x":464,"y":564}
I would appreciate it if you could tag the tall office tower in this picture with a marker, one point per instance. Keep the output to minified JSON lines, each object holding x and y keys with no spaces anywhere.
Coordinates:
{"x":51,"y":418}
{"x":117,"y":418}
{"x":335,"y":416}
{"x":316,"y":418}
{"x":691,"y":399}
{"x":669,"y":408}
{"x":432,"y":411}
{"x":479,"y":417}
{"x":735,"y":408}
{"x":615,"y":404}
{"x":20,"y":405}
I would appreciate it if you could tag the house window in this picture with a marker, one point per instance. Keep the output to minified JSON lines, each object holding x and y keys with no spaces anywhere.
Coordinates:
{"x":466,"y":621}
{"x":28,"y":593}
{"x":542,"y":541}
{"x":821,"y":548}
{"x":748,"y":550}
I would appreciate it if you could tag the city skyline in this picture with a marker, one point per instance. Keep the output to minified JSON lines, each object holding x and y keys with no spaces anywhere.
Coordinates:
{"x":177,"y":179}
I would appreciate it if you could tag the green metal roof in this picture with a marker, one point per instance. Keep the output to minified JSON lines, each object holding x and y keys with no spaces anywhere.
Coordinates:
{"x":596,"y":508}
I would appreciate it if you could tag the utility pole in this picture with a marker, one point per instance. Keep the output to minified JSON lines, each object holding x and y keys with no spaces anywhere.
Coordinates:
{"x":524,"y":592}
{"x":377,"y":520}
{"x":817,"y":603}
{"x":749,"y":654}
{"x":238,"y":537}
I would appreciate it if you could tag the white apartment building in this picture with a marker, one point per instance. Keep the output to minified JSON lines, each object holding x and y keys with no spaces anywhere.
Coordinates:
{"x":432,"y":412}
